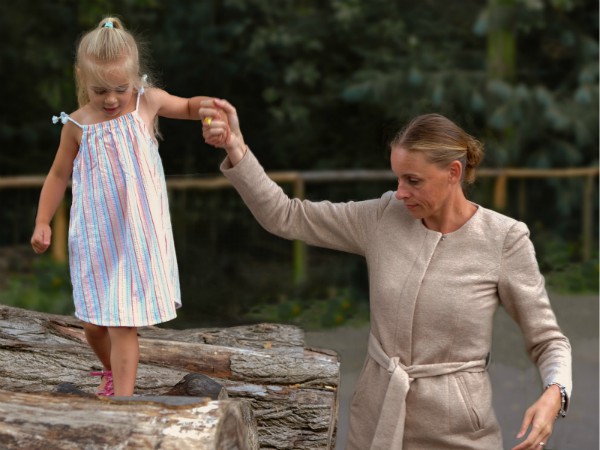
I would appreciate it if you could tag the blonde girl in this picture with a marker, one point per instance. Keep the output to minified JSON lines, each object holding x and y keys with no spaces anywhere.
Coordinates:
{"x":121,"y":251}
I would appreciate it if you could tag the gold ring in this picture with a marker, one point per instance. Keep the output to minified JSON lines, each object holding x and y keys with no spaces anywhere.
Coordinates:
{"x":208,"y":120}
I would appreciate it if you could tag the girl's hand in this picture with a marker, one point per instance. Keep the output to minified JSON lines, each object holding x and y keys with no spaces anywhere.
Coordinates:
{"x":40,"y":240}
{"x":222,"y":133}
{"x":540,"y":417}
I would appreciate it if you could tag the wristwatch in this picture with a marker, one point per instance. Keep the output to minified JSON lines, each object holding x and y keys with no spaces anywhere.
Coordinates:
{"x":563,"y":399}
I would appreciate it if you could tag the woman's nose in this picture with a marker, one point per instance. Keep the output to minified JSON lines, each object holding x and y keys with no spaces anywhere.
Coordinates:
{"x":401,"y":193}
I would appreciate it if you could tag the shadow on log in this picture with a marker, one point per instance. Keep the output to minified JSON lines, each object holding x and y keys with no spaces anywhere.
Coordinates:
{"x":292,"y":390}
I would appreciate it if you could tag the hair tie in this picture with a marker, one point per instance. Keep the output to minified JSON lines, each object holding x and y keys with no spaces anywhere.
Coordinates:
{"x":108,"y":24}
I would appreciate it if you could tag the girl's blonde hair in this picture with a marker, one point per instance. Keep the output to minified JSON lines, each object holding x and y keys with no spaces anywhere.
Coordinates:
{"x":442,"y":141}
{"x":106,"y":49}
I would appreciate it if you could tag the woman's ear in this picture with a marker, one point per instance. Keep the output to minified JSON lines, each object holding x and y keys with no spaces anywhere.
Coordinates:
{"x":455,"y":171}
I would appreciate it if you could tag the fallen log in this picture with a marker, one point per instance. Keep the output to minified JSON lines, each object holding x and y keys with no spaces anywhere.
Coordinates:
{"x":292,"y":389}
{"x":42,"y":420}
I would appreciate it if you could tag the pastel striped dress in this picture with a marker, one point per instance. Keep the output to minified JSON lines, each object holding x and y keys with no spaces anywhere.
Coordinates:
{"x":121,"y":250}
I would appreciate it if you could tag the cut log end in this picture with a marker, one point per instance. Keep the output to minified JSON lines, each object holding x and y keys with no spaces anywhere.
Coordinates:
{"x":161,"y":423}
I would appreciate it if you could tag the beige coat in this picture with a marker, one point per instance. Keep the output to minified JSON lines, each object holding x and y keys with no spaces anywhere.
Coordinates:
{"x":432,"y":300}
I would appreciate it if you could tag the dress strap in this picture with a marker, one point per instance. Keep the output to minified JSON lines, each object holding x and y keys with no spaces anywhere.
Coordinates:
{"x":140,"y":91}
{"x":64,"y":117}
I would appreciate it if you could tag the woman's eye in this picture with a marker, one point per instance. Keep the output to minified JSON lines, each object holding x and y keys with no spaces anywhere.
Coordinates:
{"x":413,"y":181}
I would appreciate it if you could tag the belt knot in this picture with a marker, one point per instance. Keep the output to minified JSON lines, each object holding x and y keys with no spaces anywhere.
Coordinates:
{"x":390,"y":426}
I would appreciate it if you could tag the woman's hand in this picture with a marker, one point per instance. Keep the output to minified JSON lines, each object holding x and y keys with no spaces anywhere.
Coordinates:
{"x":540,"y":417}
{"x":222,"y":133}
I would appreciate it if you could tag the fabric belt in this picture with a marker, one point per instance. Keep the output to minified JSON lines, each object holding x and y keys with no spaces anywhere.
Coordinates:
{"x":389,"y":432}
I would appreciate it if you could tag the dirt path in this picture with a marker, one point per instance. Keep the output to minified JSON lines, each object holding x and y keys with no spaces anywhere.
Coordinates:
{"x":514,"y":378}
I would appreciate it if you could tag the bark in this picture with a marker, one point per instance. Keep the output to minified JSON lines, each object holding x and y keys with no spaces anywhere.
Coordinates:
{"x":292,"y":390}
{"x":46,"y":421}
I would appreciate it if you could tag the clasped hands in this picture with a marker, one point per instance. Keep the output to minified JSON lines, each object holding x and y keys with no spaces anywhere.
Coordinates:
{"x":221,"y":128}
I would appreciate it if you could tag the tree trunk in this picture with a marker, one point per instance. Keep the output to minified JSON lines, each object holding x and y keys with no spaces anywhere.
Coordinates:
{"x":292,"y":390}
{"x":42,"y":420}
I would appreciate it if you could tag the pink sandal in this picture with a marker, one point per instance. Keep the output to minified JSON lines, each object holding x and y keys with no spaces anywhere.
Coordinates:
{"x":108,"y":390}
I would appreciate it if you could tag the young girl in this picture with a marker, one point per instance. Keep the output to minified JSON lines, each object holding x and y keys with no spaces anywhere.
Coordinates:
{"x":122,"y":257}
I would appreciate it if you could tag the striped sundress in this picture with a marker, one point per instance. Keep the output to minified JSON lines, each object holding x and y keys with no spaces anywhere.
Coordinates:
{"x":121,"y":250}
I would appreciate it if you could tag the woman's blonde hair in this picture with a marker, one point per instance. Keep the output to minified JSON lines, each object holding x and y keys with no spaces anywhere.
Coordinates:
{"x":442,"y":141}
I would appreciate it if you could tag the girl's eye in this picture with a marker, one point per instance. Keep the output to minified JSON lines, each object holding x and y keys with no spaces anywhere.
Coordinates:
{"x":99,"y":91}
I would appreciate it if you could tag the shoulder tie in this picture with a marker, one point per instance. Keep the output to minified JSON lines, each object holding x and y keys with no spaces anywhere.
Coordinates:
{"x":141,"y":91}
{"x":64,"y":117}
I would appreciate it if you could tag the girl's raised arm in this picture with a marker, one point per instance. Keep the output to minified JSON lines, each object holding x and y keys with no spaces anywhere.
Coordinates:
{"x":174,"y":107}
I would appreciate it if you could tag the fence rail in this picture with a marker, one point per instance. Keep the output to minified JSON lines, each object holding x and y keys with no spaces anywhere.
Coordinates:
{"x":299,"y":179}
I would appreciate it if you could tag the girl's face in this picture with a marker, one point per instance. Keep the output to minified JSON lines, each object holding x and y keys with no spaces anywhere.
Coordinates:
{"x":422,"y":186}
{"x":113,"y":96}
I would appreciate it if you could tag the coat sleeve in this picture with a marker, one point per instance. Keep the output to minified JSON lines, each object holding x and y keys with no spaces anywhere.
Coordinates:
{"x":523,"y":294}
{"x":338,"y":226}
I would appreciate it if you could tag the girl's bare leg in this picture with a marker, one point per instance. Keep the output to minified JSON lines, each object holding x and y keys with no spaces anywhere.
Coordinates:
{"x":124,"y":359}
{"x":99,"y":340}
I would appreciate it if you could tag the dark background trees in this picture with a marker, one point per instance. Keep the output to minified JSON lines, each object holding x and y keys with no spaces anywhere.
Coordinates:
{"x":318,"y":85}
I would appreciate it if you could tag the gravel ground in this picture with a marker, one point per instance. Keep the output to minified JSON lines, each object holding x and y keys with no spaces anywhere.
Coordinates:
{"x":515,"y":380}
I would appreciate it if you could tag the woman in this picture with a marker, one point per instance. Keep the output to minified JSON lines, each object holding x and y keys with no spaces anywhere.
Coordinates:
{"x":439,"y":267}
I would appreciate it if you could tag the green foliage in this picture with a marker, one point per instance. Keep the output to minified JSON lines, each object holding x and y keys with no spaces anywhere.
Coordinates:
{"x":323,"y":84}
{"x":46,"y":288}
{"x":332,"y":308}
{"x":575,"y":278}
{"x":317,"y":85}
{"x":561,"y":263}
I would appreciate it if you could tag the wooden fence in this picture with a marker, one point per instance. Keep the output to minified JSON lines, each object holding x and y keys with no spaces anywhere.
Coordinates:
{"x":299,"y":179}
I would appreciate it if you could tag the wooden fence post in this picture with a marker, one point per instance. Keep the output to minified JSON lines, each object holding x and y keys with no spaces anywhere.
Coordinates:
{"x":586,"y":219}
{"x":60,"y":230}
{"x":500,"y":192}
{"x":522,"y":199}
{"x":299,"y":249}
